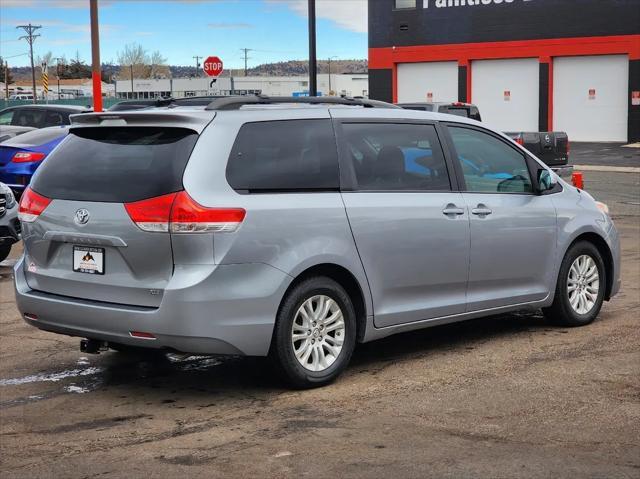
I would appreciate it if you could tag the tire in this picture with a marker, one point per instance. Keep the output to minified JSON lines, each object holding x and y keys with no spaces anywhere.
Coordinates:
{"x":562,"y":312}
{"x":306,"y":300}
{"x":4,"y":252}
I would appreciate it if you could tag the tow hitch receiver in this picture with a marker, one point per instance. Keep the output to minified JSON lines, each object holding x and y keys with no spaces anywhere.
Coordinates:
{"x":93,"y":346}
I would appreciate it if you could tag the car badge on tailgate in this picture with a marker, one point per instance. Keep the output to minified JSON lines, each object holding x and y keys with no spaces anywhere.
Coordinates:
{"x":82,"y":216}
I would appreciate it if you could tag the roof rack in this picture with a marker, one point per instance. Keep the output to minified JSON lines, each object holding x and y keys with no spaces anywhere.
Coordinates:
{"x":237,"y":102}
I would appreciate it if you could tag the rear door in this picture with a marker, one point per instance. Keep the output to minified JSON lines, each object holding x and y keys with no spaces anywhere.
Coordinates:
{"x":513,"y":230}
{"x":85,"y":244}
{"x":410,"y":224}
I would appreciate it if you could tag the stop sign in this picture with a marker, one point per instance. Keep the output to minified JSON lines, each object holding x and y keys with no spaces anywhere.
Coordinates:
{"x":212,"y":66}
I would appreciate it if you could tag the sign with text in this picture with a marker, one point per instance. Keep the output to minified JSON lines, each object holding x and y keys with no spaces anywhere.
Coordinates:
{"x":212,"y":66}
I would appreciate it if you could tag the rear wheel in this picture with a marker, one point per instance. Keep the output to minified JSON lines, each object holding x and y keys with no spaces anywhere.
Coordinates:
{"x":4,"y":252}
{"x":581,"y":286}
{"x":315,"y":333}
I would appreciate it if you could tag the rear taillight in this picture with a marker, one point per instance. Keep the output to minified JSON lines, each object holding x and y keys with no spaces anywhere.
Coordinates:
{"x":152,"y":214}
{"x":27,"y":157}
{"x":187,"y":216}
{"x":31,"y":205}
{"x":179,"y":213}
{"x":519,"y":140}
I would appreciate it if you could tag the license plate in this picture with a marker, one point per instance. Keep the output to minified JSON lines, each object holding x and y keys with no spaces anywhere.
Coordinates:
{"x":88,"y":260}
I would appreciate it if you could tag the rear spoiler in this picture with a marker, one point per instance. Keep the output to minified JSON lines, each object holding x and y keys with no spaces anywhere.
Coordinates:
{"x":194,"y":120}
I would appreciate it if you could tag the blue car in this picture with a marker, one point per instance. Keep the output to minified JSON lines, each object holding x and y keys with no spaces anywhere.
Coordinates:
{"x":21,"y":155}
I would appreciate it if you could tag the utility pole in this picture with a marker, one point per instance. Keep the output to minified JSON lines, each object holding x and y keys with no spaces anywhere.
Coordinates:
{"x":197,"y":58}
{"x":245,"y":51}
{"x":95,"y":56}
{"x":57,"y":59}
{"x":313,"y":67}
{"x":330,"y":58}
{"x":131,"y":69}
{"x":6,"y":80}
{"x":30,"y":38}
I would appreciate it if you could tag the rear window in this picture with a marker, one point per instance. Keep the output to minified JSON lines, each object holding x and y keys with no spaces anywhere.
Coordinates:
{"x":455,"y":111}
{"x":116,"y":164}
{"x":288,"y":155}
{"x":37,"y":137}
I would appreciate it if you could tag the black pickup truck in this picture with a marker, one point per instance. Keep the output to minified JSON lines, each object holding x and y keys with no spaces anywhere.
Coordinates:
{"x":552,"y":147}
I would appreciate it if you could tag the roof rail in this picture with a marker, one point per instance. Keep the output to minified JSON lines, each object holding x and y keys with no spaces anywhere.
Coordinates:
{"x":236,"y":102}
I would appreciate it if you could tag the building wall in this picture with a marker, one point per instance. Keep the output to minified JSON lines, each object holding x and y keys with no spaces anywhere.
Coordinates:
{"x":469,"y":30}
{"x":349,"y":85}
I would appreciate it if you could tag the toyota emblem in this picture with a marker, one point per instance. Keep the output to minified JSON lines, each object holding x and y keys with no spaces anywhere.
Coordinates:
{"x":82,"y":216}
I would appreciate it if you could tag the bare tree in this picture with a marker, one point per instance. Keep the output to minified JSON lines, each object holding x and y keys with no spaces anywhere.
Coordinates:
{"x":46,"y":57}
{"x":135,"y":59}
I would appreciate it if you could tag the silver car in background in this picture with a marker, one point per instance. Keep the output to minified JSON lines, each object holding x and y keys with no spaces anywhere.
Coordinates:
{"x":296,"y":228}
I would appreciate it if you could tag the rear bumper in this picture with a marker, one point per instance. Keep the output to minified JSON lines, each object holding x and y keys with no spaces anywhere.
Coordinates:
{"x":206,"y":309}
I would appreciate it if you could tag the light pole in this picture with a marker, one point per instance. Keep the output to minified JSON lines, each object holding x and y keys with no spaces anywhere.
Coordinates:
{"x":330,"y":58}
{"x":313,"y":67}
{"x":131,"y":70}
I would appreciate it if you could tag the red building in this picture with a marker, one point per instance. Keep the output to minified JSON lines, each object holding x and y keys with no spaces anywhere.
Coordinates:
{"x":571,"y":65}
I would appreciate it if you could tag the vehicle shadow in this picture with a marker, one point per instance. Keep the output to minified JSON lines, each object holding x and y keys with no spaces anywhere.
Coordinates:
{"x":207,"y":374}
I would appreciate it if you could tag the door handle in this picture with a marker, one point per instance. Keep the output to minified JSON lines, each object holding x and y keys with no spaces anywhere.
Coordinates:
{"x":481,"y":210}
{"x":452,"y":209}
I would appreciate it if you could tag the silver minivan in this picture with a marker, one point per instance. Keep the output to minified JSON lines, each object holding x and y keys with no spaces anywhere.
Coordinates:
{"x":295,"y":228}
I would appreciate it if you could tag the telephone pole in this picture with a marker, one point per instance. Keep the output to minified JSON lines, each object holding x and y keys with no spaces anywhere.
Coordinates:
{"x":6,"y":80}
{"x":197,"y":58}
{"x":96,"y":74}
{"x":245,"y":51}
{"x":30,"y":38}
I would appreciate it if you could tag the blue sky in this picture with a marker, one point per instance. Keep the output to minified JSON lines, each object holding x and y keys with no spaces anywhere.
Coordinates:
{"x":275,"y":29}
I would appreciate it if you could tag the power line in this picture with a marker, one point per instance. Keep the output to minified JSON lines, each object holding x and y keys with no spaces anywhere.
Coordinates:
{"x":30,"y":38}
{"x":245,"y":52}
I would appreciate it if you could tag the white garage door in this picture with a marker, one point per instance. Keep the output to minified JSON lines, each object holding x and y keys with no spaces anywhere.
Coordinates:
{"x":507,"y":92}
{"x":417,"y":80}
{"x":590,"y":97}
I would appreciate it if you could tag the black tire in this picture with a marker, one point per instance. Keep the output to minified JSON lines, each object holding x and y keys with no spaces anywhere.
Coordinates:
{"x":4,"y":252}
{"x":282,"y":350}
{"x":561,"y":312}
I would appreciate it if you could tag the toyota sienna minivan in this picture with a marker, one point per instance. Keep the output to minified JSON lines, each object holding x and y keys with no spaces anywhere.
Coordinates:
{"x":296,"y":228}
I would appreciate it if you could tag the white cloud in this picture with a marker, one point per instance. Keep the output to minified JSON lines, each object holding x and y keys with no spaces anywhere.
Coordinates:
{"x":230,"y":26}
{"x":347,"y":14}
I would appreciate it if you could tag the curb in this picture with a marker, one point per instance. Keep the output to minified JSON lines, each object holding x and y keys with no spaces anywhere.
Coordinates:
{"x":609,"y":169}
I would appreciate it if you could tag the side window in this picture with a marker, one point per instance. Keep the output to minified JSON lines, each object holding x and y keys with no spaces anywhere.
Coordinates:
{"x":289,"y":155}
{"x":54,"y":118}
{"x":488,"y":164}
{"x":27,"y":117}
{"x":393,"y":156}
{"x":5,"y":117}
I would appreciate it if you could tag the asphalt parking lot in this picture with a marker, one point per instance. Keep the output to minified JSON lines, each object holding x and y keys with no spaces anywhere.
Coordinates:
{"x":499,"y":397}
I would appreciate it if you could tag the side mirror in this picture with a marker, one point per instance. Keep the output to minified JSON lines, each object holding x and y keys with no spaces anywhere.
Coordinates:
{"x":546,"y":180}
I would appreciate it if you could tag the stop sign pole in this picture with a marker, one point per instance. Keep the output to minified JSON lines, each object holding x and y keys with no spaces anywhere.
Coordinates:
{"x":212,"y":66}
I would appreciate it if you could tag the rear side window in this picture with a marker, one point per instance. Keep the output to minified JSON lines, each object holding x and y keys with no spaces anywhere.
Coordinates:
{"x":289,"y":155}
{"x":395,"y":157}
{"x":116,"y":164}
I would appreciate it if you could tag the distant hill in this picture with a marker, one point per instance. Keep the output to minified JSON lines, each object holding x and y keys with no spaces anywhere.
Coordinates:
{"x":289,"y":68}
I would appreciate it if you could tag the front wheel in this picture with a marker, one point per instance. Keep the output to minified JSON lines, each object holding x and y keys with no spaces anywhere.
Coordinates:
{"x":581,"y":287}
{"x":315,"y":333}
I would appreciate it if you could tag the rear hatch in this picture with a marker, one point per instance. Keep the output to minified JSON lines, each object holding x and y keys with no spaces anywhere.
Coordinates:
{"x":84,"y":243}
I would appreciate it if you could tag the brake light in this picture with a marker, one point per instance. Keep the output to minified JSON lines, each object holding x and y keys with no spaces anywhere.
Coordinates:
{"x":152,"y":214}
{"x":188,"y":216}
{"x":27,"y":157}
{"x":179,"y":213}
{"x":31,"y":205}
{"x":519,"y":140}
